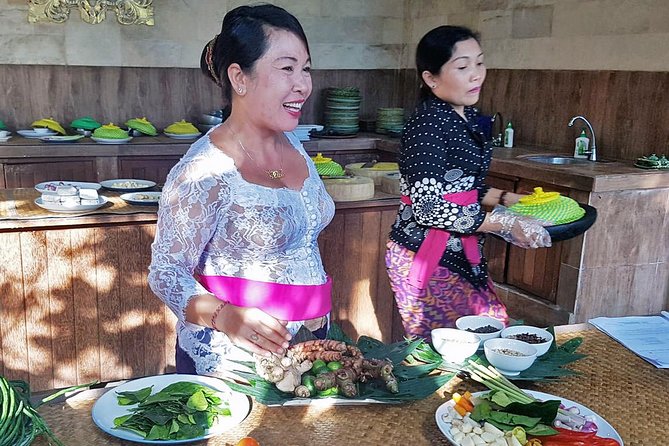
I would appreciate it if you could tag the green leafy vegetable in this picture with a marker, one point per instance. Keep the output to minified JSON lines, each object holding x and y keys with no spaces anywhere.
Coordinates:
{"x":20,"y":423}
{"x":180,"y":411}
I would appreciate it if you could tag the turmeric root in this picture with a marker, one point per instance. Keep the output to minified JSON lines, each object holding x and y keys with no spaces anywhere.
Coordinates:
{"x":325,"y":380}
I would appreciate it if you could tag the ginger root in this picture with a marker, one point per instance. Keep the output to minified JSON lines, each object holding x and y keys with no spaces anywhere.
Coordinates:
{"x":284,"y":371}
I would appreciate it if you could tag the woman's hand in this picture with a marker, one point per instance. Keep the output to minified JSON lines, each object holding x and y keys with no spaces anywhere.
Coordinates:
{"x":522,"y":231}
{"x":253,"y":329}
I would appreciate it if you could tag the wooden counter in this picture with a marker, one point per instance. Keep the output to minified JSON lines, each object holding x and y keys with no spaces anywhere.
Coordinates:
{"x":76,"y":305}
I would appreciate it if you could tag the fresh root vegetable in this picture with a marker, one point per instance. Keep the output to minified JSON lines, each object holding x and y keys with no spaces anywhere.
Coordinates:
{"x":285,"y":372}
{"x":326,"y":349}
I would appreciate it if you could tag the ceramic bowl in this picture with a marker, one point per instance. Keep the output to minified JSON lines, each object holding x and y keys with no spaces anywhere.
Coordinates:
{"x":4,"y":133}
{"x":523,"y":331}
{"x":41,"y":130}
{"x":509,"y":356}
{"x":454,"y":345}
{"x":473,"y":323}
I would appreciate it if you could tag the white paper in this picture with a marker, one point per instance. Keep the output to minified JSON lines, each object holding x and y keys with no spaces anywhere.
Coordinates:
{"x":646,"y":336}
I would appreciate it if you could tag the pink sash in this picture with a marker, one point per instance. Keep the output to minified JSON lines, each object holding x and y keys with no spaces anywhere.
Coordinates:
{"x":283,"y":301}
{"x":432,"y":249}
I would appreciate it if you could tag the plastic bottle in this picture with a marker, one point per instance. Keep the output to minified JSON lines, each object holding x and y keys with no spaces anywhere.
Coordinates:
{"x":582,"y":145}
{"x":508,"y":135}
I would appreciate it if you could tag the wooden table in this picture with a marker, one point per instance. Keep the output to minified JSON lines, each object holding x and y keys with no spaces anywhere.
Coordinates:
{"x":614,"y":382}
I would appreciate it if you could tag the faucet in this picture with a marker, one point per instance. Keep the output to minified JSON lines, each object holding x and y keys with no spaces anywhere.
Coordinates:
{"x":497,"y":140}
{"x":592,"y":152}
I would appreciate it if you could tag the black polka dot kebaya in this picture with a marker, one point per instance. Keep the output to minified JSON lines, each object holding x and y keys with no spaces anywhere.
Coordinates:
{"x":443,"y":154}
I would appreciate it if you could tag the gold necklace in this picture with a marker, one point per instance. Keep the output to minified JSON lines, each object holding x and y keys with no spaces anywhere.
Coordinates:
{"x":272,"y":174}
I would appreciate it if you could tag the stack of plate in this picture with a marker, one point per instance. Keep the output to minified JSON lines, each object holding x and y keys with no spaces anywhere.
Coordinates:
{"x":389,"y":120}
{"x":342,"y":110}
{"x":302,"y":131}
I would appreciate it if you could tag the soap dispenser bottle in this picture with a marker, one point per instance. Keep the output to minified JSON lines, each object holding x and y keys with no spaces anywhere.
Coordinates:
{"x":582,"y":145}
{"x":508,"y":135}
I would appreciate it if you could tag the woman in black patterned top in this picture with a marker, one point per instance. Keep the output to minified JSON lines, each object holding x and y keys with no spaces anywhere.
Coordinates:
{"x":434,"y":258}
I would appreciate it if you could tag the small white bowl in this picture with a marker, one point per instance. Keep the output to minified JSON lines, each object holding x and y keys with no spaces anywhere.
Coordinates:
{"x":4,"y":133}
{"x":500,"y":353}
{"x":41,"y":130}
{"x":473,"y":323}
{"x":454,"y":345}
{"x":515,"y":330}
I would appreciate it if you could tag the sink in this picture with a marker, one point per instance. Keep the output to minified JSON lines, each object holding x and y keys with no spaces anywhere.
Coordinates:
{"x":552,"y":159}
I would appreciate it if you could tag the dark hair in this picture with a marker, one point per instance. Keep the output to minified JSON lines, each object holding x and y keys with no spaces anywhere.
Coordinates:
{"x":436,"y":48}
{"x":243,"y":40}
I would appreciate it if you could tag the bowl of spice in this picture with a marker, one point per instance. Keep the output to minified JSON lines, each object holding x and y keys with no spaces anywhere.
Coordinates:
{"x":538,"y":337}
{"x":454,"y":345}
{"x":483,"y":326}
{"x":509,"y":356}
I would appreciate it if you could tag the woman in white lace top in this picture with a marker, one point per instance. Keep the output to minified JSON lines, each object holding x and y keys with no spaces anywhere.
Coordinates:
{"x":235,"y":255}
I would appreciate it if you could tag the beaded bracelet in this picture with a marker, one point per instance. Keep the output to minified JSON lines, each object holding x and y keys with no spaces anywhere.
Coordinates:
{"x":501,"y":197}
{"x":214,"y":315}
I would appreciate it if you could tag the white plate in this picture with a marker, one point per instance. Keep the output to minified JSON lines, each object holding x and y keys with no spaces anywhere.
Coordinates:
{"x":183,"y":136}
{"x":142,"y":198}
{"x":605,"y":429}
{"x":106,"y":408}
{"x":34,"y":134}
{"x":49,"y":187}
{"x":111,"y":140}
{"x":127,"y":184}
{"x":61,"y":138}
{"x":5,"y":139}
{"x":57,"y":207}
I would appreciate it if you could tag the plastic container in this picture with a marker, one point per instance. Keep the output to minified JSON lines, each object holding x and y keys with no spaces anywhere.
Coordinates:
{"x":508,"y":135}
{"x":581,"y":146}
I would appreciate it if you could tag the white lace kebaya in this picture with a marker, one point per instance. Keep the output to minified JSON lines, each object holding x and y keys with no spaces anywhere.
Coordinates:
{"x":211,"y":221}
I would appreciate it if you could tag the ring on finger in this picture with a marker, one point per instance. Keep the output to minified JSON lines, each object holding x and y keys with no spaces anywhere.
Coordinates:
{"x":254,"y":337}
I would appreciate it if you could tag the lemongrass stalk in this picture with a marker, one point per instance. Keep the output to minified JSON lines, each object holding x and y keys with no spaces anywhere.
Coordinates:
{"x":494,"y":380}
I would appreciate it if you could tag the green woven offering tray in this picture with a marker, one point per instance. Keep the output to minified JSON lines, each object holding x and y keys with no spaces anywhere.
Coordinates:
{"x":142,"y":125}
{"x":652,"y":162}
{"x":549,"y":206}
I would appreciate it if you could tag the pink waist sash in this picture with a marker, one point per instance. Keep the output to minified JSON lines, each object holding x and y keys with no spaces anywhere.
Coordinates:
{"x":283,"y":301}
{"x":432,"y":249}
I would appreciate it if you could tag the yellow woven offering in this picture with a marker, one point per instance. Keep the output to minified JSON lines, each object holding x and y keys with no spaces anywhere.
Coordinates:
{"x":549,"y":206}
{"x":142,"y":125}
{"x":110,"y":131}
{"x":326,"y":167}
{"x":49,"y":123}
{"x":181,"y":128}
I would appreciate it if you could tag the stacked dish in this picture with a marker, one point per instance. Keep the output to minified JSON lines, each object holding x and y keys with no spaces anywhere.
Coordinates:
{"x":85,"y":125}
{"x":140,"y":126}
{"x":5,"y":135}
{"x":46,"y":124}
{"x":210,"y":120}
{"x":182,"y":130}
{"x":302,"y":131}
{"x":389,"y":121}
{"x":342,"y":110}
{"x":110,"y":134}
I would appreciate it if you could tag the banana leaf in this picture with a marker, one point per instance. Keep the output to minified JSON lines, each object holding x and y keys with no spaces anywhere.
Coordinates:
{"x":415,"y":381}
{"x":549,"y":367}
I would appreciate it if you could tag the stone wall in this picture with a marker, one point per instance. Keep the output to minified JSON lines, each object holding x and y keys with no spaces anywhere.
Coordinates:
{"x":365,"y":34}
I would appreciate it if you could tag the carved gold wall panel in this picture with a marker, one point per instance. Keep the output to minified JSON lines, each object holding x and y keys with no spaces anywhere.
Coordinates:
{"x":128,"y":12}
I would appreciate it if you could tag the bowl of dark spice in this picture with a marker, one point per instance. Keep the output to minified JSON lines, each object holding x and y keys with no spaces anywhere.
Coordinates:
{"x":483,"y":326}
{"x":509,"y":356}
{"x":537,"y":337}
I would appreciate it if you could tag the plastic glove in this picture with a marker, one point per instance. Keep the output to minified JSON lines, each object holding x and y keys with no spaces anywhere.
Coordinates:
{"x":522,"y":231}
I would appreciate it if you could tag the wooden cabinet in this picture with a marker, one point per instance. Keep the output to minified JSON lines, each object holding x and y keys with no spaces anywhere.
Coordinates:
{"x":152,"y":168}
{"x":495,"y":249}
{"x":20,"y":172}
{"x":536,"y":270}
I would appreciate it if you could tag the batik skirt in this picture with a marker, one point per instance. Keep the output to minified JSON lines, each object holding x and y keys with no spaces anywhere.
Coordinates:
{"x":447,"y":296}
